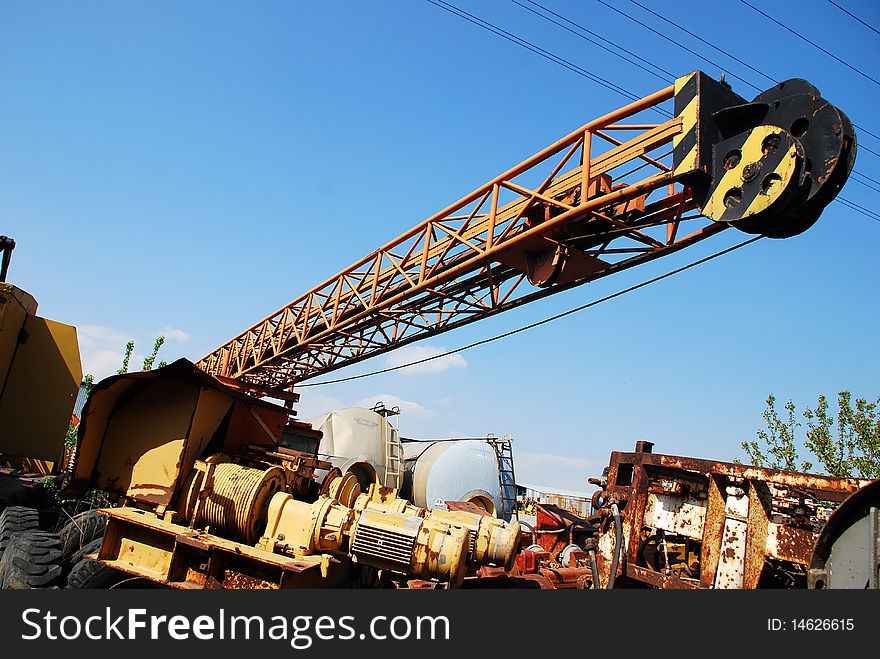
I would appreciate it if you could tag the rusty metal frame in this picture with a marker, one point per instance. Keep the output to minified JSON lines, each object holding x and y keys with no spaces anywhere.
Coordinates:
{"x":771,"y":530}
{"x":450,"y":269}
{"x":175,"y":556}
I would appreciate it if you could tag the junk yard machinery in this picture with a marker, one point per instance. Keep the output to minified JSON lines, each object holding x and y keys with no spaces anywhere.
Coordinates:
{"x":212,"y":492}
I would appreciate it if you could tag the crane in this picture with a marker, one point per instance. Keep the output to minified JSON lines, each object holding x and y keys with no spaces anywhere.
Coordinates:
{"x":580,"y":209}
{"x":215,"y":489}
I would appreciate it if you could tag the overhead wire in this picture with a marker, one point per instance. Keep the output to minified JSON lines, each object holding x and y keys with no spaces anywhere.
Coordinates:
{"x":866,"y":184}
{"x":809,"y":41}
{"x":679,"y":44}
{"x":545,"y":321}
{"x":713,"y":63}
{"x":486,"y":25}
{"x":871,"y":215}
{"x":547,"y":55}
{"x":872,"y":180}
{"x":703,"y":41}
{"x":606,"y":83}
{"x":850,"y":14}
{"x":667,"y":76}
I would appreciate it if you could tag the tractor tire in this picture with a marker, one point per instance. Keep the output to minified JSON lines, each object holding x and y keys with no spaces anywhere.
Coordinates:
{"x":82,"y":529}
{"x":16,"y":519}
{"x":88,"y":574}
{"x":32,"y":560}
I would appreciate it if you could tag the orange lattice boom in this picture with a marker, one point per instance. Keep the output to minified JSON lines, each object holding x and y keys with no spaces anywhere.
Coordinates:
{"x":532,"y":232}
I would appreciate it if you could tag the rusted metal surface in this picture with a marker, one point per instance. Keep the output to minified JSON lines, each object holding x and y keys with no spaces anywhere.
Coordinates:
{"x":466,"y":506}
{"x":173,"y":556}
{"x":731,"y":560}
{"x":556,"y":558}
{"x":713,"y":529}
{"x":677,"y":514}
{"x":690,"y":522}
{"x":760,"y":508}
{"x":791,"y":543}
{"x":827,"y":488}
{"x":661,"y":580}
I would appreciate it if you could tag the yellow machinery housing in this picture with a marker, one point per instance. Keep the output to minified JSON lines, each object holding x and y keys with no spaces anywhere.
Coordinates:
{"x":40,"y":375}
{"x":212,"y":497}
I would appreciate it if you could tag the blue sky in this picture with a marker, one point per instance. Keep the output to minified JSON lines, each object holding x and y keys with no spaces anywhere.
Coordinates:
{"x":187,"y":168}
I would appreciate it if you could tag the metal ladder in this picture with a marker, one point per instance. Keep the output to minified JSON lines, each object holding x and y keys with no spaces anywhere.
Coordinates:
{"x":393,"y":461}
{"x":506,"y":477}
{"x":393,"y":457}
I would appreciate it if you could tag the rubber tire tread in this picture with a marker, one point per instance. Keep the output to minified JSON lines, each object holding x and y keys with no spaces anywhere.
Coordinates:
{"x":82,"y":529}
{"x":16,"y":519}
{"x":32,"y":560}
{"x":88,"y":574}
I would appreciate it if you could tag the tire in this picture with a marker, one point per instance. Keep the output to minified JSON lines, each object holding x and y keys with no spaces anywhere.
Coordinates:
{"x":82,"y":529}
{"x":32,"y":560}
{"x":89,"y":574}
{"x":16,"y":519}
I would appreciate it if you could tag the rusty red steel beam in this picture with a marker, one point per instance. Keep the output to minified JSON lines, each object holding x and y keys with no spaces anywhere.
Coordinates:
{"x":313,"y":365}
{"x":659,"y":579}
{"x":386,"y":299}
{"x":829,"y":485}
{"x":312,"y":361}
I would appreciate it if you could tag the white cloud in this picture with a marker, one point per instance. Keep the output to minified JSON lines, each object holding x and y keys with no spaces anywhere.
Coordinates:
{"x":552,"y":470}
{"x":407,"y":407}
{"x":102,"y":350}
{"x":172,"y":334}
{"x":408,"y":354}
{"x":100,"y":334}
{"x":311,"y":404}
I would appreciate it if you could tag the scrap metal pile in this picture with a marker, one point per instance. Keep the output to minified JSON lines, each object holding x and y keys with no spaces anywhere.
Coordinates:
{"x":666,"y":521}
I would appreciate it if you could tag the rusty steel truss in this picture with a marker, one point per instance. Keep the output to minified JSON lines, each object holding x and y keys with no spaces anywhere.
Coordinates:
{"x":525,"y":234}
{"x":581,"y":209}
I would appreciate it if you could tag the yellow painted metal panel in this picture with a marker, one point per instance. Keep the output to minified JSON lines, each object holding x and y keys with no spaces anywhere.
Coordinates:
{"x":12,"y":316}
{"x":143,"y":444}
{"x":212,"y":407}
{"x":40,"y":390}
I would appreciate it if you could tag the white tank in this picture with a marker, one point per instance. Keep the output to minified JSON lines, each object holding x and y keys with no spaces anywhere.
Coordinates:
{"x":452,"y":470}
{"x":363,"y":442}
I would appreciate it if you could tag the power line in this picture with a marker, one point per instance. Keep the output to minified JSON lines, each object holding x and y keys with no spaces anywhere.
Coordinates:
{"x":683,"y":47}
{"x":853,"y":206}
{"x":703,"y":41}
{"x":491,"y":27}
{"x":679,"y":44}
{"x":591,"y":76}
{"x":530,"y":326}
{"x":573,"y":67}
{"x":849,"y":13}
{"x":866,"y":184}
{"x":872,"y":180}
{"x":859,"y":209}
{"x":715,"y":64}
{"x":812,"y":43}
{"x":864,"y":148}
{"x":669,"y":76}
{"x":867,"y":132}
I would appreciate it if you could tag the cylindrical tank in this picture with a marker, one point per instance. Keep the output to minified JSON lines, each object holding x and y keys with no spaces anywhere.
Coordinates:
{"x":452,"y":470}
{"x":362,"y":442}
